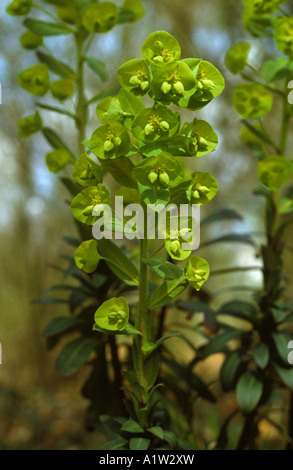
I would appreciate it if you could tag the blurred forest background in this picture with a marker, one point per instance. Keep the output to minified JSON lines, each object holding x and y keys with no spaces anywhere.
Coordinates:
{"x":39,"y":409}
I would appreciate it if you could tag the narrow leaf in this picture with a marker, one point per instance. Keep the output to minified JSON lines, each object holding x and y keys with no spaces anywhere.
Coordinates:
{"x":74,"y":354}
{"x":139,"y":443}
{"x":248,"y":392}
{"x":98,"y":66}
{"x":56,"y":66}
{"x":164,"y":269}
{"x":44,"y":28}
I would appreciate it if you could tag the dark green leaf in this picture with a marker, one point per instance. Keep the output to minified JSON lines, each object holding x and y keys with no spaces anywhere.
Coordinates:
{"x":60,"y":324}
{"x":281,"y":340}
{"x":163,"y":268}
{"x":261,"y":355}
{"x":166,"y":292}
{"x":219,"y":342}
{"x":118,"y":261}
{"x":233,"y":237}
{"x":116,"y":444}
{"x":157,"y":431}
{"x":56,"y":66}
{"x":152,"y":366}
{"x":120,"y":169}
{"x":285,"y":374}
{"x":131,"y":426}
{"x":55,"y":141}
{"x":75,"y":354}
{"x":98,"y":66}
{"x":139,"y":443}
{"x":43,"y":28}
{"x":220,"y":215}
{"x":229,"y":370}
{"x":248,"y":392}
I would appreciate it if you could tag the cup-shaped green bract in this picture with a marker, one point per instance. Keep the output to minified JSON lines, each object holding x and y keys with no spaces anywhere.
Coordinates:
{"x":283,"y":34}
{"x":19,"y":7}
{"x":236,"y":57}
{"x":209,"y":83}
{"x":57,"y":160}
{"x":134,"y":76}
{"x":275,"y":171}
{"x":100,"y":18}
{"x":109,"y":108}
{"x":261,"y":7}
{"x":135,"y":7}
{"x":30,"y":40}
{"x":160,"y":48}
{"x":178,"y":234}
{"x":162,"y":170}
{"x":86,"y":172}
{"x":197,"y":271}
{"x":86,"y":256}
{"x":62,"y":89}
{"x":111,"y":140}
{"x":28,"y":125}
{"x":172,"y":83}
{"x":84,"y":203}
{"x":156,"y":123}
{"x":68,"y":13}
{"x":202,"y":137}
{"x":35,"y":79}
{"x":113,"y":315}
{"x":203,"y":187}
{"x":251,"y":100}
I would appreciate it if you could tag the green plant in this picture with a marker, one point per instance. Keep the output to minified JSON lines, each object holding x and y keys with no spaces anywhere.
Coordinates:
{"x":256,"y":366}
{"x":143,"y":149}
{"x":61,"y":85}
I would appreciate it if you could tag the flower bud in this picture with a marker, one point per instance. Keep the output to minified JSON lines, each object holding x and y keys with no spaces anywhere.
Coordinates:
{"x":152,"y":177}
{"x":166,"y":87}
{"x":178,"y":87}
{"x":149,"y":129}
{"x":175,"y":246}
{"x":144,"y":85}
{"x":208,"y":84}
{"x":158,"y":45}
{"x":196,"y":194}
{"x":135,"y":81}
{"x":117,"y":141}
{"x":204,"y":190}
{"x":164,"y":126}
{"x":108,"y":146}
{"x":164,"y":178}
{"x":158,"y":58}
{"x":199,"y":84}
{"x":202,"y":142}
{"x":88,"y":210}
{"x":112,"y":317}
{"x":185,"y":231}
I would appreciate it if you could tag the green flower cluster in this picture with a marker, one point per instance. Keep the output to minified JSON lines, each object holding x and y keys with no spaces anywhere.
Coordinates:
{"x":142,"y":147}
